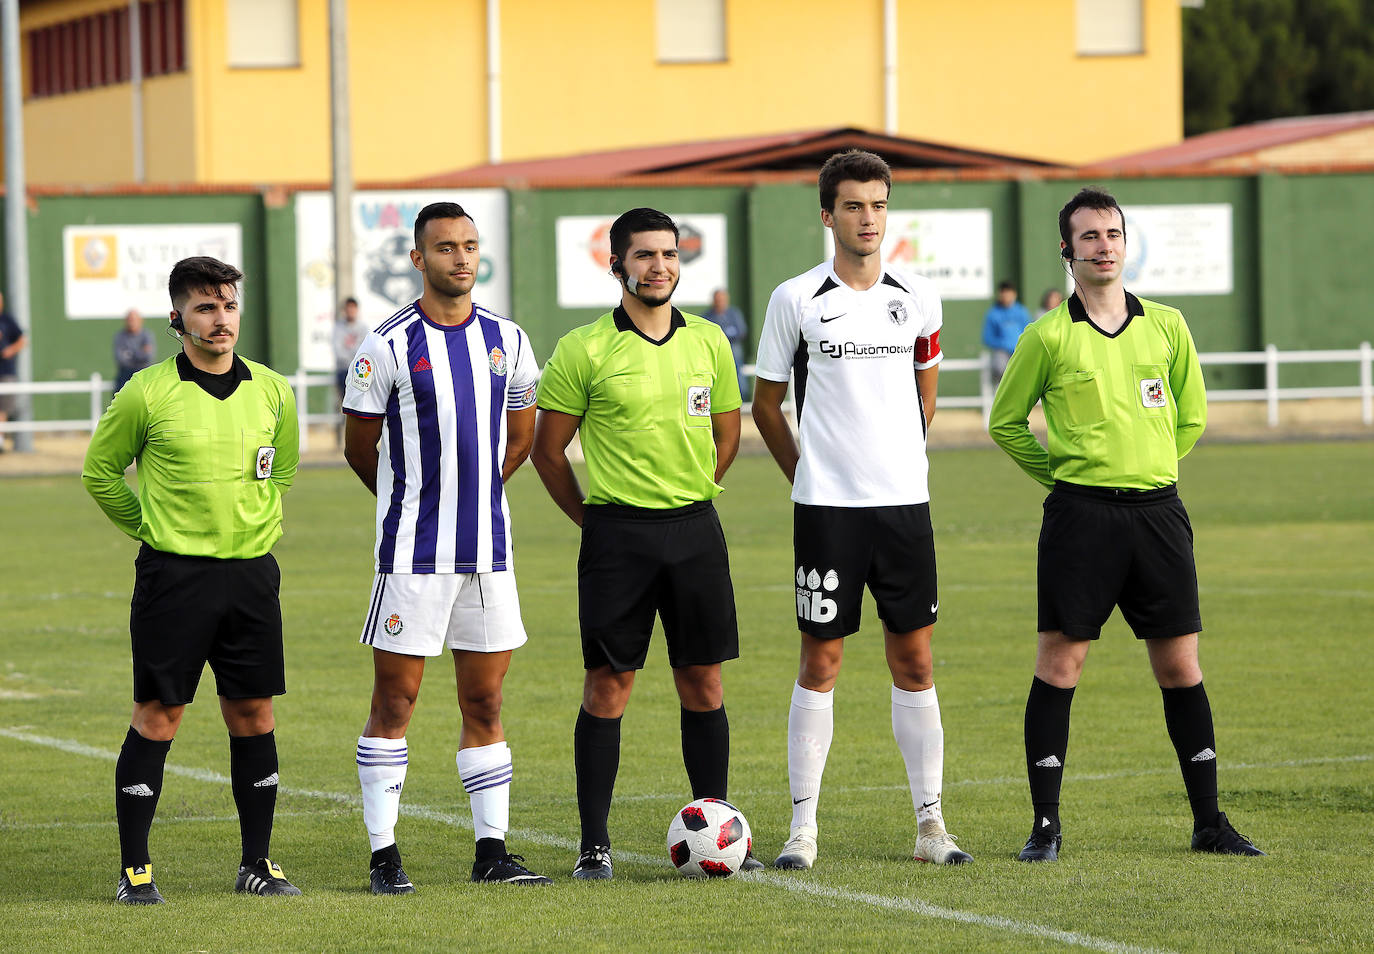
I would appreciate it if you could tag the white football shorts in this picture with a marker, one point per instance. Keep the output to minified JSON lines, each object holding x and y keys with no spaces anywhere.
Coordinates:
{"x":421,"y":614}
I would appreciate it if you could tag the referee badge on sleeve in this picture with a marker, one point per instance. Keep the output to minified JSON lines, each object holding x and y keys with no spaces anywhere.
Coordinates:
{"x":699,"y":401}
{"x":264,"y":464}
{"x":1152,"y":392}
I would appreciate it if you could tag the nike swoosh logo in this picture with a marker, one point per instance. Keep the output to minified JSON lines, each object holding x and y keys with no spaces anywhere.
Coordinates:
{"x":926,"y":805}
{"x":798,"y":801}
{"x":833,"y":317}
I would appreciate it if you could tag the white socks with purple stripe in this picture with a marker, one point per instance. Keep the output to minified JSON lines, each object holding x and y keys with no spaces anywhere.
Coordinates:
{"x":382,"y":772}
{"x":486,"y":771}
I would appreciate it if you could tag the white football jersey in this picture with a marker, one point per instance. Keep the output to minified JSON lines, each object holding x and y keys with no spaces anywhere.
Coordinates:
{"x":443,"y":392}
{"x":853,"y":357}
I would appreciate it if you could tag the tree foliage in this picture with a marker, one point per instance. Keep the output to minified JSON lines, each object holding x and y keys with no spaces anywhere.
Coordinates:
{"x":1248,"y":60}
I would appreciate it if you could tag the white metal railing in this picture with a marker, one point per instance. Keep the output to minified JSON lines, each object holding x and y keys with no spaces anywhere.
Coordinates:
{"x":97,"y":388}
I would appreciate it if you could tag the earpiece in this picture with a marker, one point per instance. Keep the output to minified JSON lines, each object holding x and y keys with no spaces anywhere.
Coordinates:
{"x":617,"y":269}
{"x":177,"y":323}
{"x":1067,"y":252}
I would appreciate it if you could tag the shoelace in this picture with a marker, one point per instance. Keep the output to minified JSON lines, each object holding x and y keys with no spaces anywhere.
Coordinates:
{"x":597,"y":855}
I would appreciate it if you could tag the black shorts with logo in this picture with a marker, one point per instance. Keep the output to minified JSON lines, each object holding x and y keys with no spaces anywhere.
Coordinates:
{"x":840,"y":549}
{"x":636,"y":562}
{"x":187,"y":611}
{"x":1101,"y":548}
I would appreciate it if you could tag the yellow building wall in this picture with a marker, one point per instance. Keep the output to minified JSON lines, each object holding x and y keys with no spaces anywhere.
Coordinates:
{"x":998,"y":75}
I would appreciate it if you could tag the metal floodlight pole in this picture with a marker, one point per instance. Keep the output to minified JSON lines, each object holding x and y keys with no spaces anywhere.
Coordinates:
{"x":16,"y":205}
{"x":136,"y":84}
{"x":341,"y":186}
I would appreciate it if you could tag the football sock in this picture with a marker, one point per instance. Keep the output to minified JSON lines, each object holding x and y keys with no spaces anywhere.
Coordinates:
{"x":596,"y":759}
{"x":138,"y":783}
{"x":1188,"y":715}
{"x":810,"y":727}
{"x":1047,"y":744}
{"x":382,"y":774}
{"x":706,"y":751}
{"x":486,"y":771}
{"x":921,"y":739}
{"x":390,"y":853}
{"x":253,"y":778}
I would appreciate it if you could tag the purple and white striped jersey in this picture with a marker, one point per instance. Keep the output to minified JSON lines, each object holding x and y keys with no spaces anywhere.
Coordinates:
{"x":442,"y":392}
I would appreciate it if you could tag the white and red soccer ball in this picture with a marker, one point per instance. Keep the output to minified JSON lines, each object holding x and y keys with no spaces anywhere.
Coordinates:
{"x":709,"y":838}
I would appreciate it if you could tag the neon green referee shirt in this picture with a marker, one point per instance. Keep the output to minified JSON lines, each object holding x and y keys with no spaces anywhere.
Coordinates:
{"x":1120,"y":410}
{"x":211,"y":473}
{"x":645,"y":406}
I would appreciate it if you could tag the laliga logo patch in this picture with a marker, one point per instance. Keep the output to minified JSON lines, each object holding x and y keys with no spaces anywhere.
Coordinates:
{"x":393,"y":625}
{"x":896,"y":310}
{"x":1152,"y":392}
{"x":497,"y":359}
{"x":264,"y":465}
{"x":699,"y":401}
{"x":362,"y":373}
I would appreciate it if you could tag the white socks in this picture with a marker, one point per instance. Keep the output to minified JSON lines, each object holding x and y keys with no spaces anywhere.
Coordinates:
{"x":486,"y":771}
{"x":382,"y":773}
{"x":921,"y":739}
{"x":810,"y":727}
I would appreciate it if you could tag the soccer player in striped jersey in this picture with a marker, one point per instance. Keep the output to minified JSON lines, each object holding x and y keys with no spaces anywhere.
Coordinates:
{"x":448,"y":389}
{"x":1122,"y":392}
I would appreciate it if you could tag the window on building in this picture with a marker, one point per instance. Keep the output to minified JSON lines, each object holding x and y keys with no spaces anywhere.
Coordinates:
{"x":263,"y":33}
{"x":93,"y":51}
{"x":1110,"y":27}
{"x":691,"y":31}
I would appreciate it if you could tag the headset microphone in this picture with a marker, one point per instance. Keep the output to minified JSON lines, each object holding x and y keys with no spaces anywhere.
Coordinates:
{"x":1095,"y":261}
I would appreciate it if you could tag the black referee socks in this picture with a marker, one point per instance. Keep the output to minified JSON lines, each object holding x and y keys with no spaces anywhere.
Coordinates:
{"x":596,"y":758}
{"x":253,"y":777}
{"x":1188,"y":716}
{"x":706,"y":751}
{"x":138,"y":783}
{"x":1047,"y":745}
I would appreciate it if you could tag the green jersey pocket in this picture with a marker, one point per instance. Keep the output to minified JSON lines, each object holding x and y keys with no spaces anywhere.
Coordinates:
{"x":1083,"y":398}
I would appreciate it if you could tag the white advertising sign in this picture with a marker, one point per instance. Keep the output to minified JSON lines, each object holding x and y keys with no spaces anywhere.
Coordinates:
{"x":584,"y":250}
{"x":1178,"y":249}
{"x":951,"y":247}
{"x":108,"y":269}
{"x":384,"y":280}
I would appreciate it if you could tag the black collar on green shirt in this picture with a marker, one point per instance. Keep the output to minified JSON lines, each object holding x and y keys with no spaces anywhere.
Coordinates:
{"x":623,"y":323}
{"x":218,"y":386}
{"x":1133,"y":309}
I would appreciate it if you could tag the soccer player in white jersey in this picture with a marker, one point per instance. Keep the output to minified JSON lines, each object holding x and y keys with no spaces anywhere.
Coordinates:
{"x":448,"y":388}
{"x":861,"y":342}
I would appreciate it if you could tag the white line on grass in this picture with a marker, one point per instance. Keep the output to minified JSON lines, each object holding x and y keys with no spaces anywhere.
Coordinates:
{"x":796,"y":886}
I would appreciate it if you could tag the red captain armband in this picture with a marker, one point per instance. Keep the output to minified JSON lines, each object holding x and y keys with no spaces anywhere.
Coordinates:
{"x":928,"y":348}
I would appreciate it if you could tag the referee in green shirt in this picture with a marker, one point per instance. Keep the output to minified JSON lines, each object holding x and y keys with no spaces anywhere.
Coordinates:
{"x":216,"y":442}
{"x":1121,"y":388}
{"x":655,"y":396}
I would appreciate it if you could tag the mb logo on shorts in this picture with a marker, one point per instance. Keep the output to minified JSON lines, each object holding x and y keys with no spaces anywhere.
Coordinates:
{"x":812,"y":604}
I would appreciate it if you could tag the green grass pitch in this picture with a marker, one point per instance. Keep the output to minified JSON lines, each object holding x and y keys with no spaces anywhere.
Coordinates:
{"x":1285,"y":546}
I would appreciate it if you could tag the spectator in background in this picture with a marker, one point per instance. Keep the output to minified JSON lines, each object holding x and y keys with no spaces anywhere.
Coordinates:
{"x":1002,"y":325}
{"x":12,"y":341}
{"x":731,"y":321}
{"x":348,"y":336}
{"x":134,"y":348}
{"x":1049,"y":301}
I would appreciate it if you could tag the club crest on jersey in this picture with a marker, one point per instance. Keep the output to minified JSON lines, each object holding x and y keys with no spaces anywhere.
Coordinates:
{"x":362,"y":372}
{"x":264,"y":461}
{"x":896,"y":310}
{"x":497,"y":358}
{"x":1152,"y":392}
{"x":699,"y":401}
{"x":393,"y":625}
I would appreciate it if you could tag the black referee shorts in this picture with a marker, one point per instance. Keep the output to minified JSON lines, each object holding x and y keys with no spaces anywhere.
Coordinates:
{"x":636,"y":562}
{"x":187,"y":611}
{"x":1101,"y":548}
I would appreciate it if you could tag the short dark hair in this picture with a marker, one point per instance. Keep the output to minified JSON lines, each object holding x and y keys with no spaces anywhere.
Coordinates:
{"x":438,"y":210}
{"x":350,"y":300}
{"x":635,"y":221}
{"x":1088,"y":198}
{"x":852,"y":164}
{"x":1006,"y":284}
{"x":199,"y":273}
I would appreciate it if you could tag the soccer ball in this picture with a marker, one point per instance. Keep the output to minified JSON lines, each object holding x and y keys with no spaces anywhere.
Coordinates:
{"x":708,"y":839}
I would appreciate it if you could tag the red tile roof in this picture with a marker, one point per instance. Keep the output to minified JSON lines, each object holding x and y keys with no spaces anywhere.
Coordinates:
{"x":1240,"y":141}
